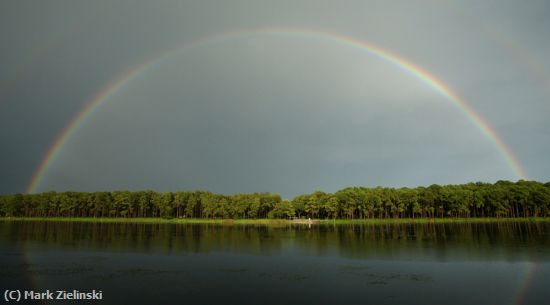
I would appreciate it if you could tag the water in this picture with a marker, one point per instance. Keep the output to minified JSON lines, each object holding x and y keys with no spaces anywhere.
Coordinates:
{"x":504,"y":263}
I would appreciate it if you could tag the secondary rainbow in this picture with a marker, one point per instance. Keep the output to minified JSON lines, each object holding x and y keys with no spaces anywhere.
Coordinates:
{"x":116,"y":84}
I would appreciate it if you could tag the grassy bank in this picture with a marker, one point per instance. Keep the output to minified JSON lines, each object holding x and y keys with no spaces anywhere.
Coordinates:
{"x":152,"y":220}
{"x":433,"y":220}
{"x":274,"y":221}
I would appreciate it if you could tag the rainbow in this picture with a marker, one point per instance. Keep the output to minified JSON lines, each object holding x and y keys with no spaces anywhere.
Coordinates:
{"x":524,"y":283}
{"x":116,"y":84}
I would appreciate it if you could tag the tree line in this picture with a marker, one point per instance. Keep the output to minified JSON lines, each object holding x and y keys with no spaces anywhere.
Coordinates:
{"x":501,"y":199}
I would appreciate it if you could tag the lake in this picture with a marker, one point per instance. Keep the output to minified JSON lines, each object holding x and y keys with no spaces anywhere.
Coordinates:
{"x":455,"y":263}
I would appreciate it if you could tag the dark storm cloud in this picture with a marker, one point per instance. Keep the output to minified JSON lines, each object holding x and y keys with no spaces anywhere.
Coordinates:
{"x":271,"y":114}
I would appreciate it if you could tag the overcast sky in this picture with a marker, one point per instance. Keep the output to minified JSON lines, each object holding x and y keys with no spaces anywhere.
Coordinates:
{"x":287,"y":113}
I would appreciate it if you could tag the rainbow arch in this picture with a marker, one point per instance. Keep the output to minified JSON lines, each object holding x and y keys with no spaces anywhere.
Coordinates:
{"x":117,"y":83}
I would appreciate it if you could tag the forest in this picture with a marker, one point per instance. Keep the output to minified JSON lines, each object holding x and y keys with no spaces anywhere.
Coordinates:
{"x":502,"y":199}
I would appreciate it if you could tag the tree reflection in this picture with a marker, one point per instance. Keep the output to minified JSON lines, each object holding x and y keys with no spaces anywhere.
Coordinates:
{"x":510,"y":241}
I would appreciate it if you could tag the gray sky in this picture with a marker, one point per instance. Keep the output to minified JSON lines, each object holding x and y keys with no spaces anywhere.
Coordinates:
{"x":283,"y":113}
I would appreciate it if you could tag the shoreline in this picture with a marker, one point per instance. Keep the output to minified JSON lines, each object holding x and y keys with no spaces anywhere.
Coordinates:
{"x":372,"y":221}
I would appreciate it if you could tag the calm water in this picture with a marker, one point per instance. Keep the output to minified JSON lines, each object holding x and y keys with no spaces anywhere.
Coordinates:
{"x":506,"y":263}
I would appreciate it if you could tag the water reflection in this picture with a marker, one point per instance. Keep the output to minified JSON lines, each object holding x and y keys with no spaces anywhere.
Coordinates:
{"x":510,"y":241}
{"x":498,"y":263}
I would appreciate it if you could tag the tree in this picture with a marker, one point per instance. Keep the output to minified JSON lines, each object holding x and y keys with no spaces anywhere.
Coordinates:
{"x":283,"y":209}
